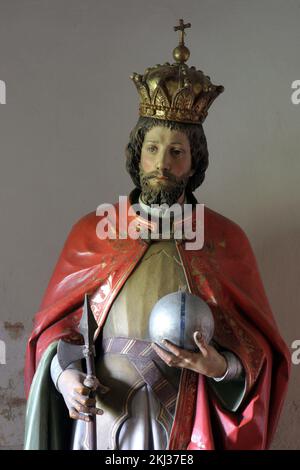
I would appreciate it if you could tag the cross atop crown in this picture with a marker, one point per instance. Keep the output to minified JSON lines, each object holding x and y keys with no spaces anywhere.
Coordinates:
{"x":181,"y":27}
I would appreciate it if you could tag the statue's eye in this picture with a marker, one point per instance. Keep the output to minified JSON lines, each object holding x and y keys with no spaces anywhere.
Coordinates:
{"x":177,"y":152}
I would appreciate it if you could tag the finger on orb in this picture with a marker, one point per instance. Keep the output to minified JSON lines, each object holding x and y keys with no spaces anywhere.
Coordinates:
{"x":172,"y":347}
{"x":198,"y":335}
{"x":163,"y":354}
{"x":199,"y":338}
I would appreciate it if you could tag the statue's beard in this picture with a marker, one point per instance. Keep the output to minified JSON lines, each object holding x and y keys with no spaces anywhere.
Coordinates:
{"x":161,"y":191}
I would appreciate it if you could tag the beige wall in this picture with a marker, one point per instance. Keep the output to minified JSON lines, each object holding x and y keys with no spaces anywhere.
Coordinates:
{"x":70,"y":107}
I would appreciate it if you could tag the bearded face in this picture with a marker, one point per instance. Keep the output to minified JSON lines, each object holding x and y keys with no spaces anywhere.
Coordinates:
{"x":161,"y":188}
{"x":165,"y":166}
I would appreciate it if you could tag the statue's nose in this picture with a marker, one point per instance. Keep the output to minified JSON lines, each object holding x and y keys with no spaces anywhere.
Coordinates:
{"x":163,"y":162}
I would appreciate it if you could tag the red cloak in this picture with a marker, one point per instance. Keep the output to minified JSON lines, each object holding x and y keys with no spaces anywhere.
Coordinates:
{"x":225,"y":274}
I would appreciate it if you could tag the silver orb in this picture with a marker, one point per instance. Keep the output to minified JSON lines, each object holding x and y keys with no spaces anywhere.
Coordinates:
{"x":177,"y":316}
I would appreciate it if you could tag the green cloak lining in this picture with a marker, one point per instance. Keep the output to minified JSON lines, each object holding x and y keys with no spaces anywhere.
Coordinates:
{"x":48,"y":425}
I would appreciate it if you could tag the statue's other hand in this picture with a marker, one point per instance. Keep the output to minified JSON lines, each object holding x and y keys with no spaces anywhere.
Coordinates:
{"x":206,"y":361}
{"x":76,"y":394}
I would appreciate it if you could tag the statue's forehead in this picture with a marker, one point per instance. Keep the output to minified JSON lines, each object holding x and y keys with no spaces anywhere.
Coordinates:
{"x":163,"y":133}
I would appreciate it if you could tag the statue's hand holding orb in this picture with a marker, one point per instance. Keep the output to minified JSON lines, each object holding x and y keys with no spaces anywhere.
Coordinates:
{"x":181,"y":325}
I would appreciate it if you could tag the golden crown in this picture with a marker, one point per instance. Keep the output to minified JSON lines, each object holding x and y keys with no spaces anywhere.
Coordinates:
{"x":176,"y":92}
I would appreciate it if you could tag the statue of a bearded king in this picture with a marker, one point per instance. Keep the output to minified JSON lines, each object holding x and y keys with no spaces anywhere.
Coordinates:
{"x":225,"y":394}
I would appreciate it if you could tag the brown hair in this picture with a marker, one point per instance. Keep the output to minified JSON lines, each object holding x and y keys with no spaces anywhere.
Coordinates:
{"x":197,"y":140}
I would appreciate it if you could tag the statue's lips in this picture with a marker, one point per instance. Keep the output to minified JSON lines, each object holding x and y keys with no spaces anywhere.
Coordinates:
{"x":161,"y":178}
